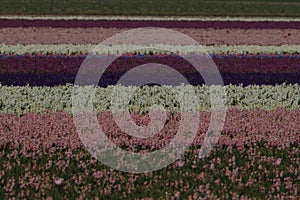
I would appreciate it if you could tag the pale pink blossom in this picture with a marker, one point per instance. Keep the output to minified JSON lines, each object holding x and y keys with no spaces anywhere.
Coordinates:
{"x":180,"y":163}
{"x":58,"y":181}
{"x":278,"y":161}
{"x":212,"y":166}
{"x":177,"y":195}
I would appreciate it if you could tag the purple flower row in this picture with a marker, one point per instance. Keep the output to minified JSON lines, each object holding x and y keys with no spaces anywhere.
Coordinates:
{"x":225,"y":63}
{"x":75,"y":23}
{"x":111,"y":78}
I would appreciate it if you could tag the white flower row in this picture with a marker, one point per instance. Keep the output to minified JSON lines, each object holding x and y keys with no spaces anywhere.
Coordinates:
{"x":21,"y":100}
{"x":116,"y":49}
{"x":154,"y":18}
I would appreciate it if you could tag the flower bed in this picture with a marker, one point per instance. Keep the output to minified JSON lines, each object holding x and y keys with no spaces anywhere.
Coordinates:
{"x":22,"y":100}
{"x":78,"y":23}
{"x":257,"y":154}
{"x":262,"y":63}
{"x":83,"y":36}
{"x":55,"y":79}
{"x":258,"y":172}
{"x":65,"y":49}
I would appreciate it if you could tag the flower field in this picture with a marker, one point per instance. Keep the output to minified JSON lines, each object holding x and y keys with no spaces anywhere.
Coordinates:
{"x":257,"y":153}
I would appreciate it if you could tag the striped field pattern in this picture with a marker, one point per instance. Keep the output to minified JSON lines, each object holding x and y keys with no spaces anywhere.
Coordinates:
{"x":257,"y":155}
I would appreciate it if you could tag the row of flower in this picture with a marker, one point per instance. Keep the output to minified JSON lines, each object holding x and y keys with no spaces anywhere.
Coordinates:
{"x":56,"y":130}
{"x":263,"y":37}
{"x":232,"y":63}
{"x":151,"y":18}
{"x":69,"y":49}
{"x":258,"y":172}
{"x":77,"y":23}
{"x":21,"y":100}
{"x":111,"y":78}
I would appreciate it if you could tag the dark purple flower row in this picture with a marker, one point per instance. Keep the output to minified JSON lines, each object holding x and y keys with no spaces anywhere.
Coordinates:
{"x":110,"y":78}
{"x":147,"y":23}
{"x":225,"y":63}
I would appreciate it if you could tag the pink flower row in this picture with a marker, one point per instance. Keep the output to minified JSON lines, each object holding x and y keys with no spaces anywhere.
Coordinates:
{"x":278,"y":128}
